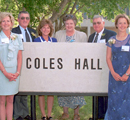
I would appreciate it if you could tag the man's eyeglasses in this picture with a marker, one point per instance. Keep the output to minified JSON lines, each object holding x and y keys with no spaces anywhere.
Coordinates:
{"x":27,"y":18}
{"x":94,"y":23}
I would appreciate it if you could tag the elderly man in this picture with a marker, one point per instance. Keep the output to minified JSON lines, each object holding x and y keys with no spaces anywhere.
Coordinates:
{"x":101,"y":35}
{"x":21,"y":111}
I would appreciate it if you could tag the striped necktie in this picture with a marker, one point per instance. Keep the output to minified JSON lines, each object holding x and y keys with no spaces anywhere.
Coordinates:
{"x":96,"y":38}
{"x":27,"y":36}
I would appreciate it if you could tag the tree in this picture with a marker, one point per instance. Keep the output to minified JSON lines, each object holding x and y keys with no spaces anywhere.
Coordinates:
{"x":55,"y":10}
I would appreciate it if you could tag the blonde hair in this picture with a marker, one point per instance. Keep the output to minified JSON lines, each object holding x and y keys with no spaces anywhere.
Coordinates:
{"x":5,"y":14}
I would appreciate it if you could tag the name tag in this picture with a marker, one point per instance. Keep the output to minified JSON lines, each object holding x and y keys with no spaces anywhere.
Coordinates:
{"x":103,"y":41}
{"x":5,"y":40}
{"x":21,"y":35}
{"x":125,"y":48}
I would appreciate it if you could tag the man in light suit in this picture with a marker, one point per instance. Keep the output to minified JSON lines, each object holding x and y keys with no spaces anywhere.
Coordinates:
{"x":21,"y":111}
{"x":101,"y":35}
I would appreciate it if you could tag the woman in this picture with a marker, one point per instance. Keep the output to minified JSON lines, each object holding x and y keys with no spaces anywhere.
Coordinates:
{"x":118,"y":60}
{"x":45,"y":31}
{"x":10,"y":65}
{"x":70,"y":35}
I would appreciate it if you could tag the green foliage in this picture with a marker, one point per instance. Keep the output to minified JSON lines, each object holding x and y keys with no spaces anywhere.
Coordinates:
{"x":56,"y":9}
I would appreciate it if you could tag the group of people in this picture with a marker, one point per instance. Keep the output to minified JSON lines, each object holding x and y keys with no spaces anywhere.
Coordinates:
{"x":115,"y":107}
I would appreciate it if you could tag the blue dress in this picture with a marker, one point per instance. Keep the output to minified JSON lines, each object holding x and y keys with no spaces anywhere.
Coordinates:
{"x":8,"y":57}
{"x":118,"y":91}
{"x":41,"y":39}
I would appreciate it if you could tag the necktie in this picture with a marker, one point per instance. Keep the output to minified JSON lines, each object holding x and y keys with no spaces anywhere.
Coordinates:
{"x":96,"y":38}
{"x":27,"y":36}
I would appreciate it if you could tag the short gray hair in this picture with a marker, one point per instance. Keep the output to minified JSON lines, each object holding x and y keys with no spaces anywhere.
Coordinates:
{"x":25,"y":12}
{"x":98,"y":16}
{"x":70,"y":17}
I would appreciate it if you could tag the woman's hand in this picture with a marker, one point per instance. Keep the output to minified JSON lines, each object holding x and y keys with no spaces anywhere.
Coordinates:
{"x":14,"y":77}
{"x":124,"y":78}
{"x":116,"y":76}
{"x":10,"y":76}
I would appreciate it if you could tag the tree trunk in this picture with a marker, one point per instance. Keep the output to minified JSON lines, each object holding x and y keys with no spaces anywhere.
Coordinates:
{"x":57,"y":13}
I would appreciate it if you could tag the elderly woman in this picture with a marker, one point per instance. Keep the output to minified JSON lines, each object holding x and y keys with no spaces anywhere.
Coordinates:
{"x":118,"y":61}
{"x":70,"y":35}
{"x":45,"y":31}
{"x":10,"y":65}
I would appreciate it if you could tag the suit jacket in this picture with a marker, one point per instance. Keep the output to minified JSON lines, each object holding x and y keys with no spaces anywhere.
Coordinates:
{"x":18,"y":31}
{"x":107,"y":35}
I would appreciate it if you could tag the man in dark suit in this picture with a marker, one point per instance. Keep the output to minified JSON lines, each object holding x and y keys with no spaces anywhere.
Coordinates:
{"x":21,"y":111}
{"x":101,"y":35}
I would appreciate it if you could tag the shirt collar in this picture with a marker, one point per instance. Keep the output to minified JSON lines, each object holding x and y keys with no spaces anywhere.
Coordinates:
{"x":100,"y":32}
{"x":22,"y":29}
{"x":99,"y":35}
{"x":45,"y":40}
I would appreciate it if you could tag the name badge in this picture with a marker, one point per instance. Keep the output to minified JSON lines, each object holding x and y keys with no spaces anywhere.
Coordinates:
{"x":21,"y":35}
{"x":5,"y":40}
{"x":103,"y":41}
{"x":125,"y":48}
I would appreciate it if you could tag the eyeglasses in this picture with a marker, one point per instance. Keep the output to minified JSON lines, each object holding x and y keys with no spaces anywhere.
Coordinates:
{"x":94,"y":23}
{"x":22,"y":18}
{"x":69,"y":16}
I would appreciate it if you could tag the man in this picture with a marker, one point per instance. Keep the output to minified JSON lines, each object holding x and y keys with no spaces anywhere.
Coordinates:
{"x":21,"y":111}
{"x":101,"y":35}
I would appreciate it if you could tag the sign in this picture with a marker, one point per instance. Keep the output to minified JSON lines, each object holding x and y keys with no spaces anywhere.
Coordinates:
{"x":64,"y":67}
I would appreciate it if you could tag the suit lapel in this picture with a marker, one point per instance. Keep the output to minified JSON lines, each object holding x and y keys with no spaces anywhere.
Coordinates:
{"x":92,"y":37}
{"x":18,"y":30}
{"x":31,"y":33}
{"x":103,"y":36}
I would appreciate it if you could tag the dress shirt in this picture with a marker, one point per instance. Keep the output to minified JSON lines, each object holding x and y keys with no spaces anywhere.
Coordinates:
{"x":99,"y":36}
{"x":23,"y":33}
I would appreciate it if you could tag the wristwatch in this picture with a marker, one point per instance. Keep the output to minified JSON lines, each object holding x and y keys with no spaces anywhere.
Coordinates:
{"x":127,"y":74}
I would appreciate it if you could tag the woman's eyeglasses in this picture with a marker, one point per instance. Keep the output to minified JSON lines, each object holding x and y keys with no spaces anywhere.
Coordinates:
{"x":69,"y":16}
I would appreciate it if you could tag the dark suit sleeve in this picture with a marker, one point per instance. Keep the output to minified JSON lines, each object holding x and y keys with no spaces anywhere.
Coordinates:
{"x":109,"y":34}
{"x":16,"y":30}
{"x":13,"y":30}
{"x":114,"y":33}
{"x":90,"y":39}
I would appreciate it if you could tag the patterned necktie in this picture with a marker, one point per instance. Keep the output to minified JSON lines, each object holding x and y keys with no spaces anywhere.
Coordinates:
{"x":27,"y":36}
{"x":96,"y":38}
